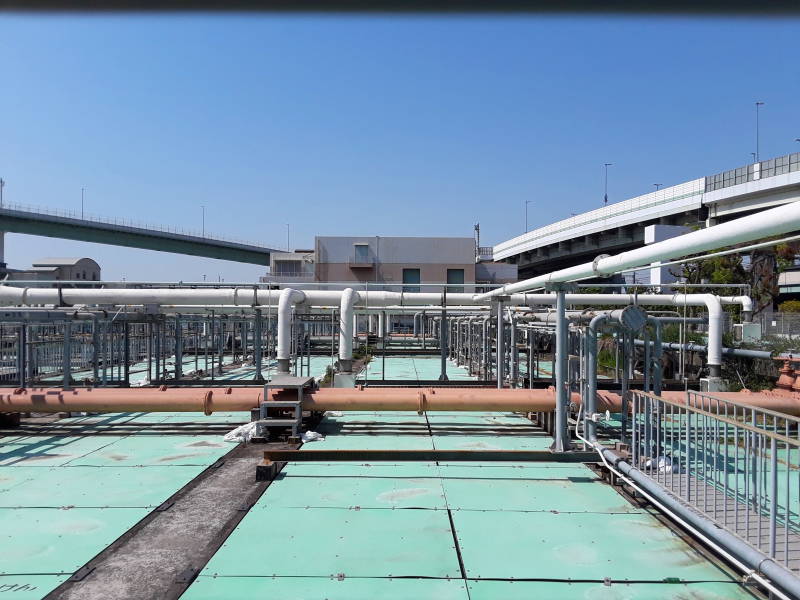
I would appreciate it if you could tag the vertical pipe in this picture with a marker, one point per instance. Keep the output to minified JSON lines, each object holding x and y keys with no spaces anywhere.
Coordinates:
{"x":443,"y":337}
{"x":126,"y":350}
{"x":499,"y":346}
{"x":658,"y":353}
{"x":67,"y":354}
{"x":178,"y":348}
{"x":95,"y":349}
{"x":257,"y":357}
{"x":21,"y":344}
{"x":590,"y":401}
{"x":561,"y":443}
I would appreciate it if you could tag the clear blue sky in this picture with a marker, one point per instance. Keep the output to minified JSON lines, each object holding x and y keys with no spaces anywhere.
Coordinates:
{"x":372,"y":125}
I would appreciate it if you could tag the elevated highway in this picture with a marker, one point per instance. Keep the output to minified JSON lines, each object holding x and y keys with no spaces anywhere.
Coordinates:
{"x":71,"y":226}
{"x":621,"y":226}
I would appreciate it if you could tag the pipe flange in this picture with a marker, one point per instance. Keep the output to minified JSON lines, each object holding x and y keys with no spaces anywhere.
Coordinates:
{"x":595,"y":268}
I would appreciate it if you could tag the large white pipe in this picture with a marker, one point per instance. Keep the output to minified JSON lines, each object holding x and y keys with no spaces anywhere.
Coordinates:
{"x":399,"y":301}
{"x":288,"y":298}
{"x":346,"y":316}
{"x":774,"y":221}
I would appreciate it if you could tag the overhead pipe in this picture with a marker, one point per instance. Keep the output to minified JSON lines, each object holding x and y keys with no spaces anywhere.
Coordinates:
{"x":208,"y":400}
{"x":774,"y":221}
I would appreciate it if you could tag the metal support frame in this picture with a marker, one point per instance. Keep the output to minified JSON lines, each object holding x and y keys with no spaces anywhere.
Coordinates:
{"x":266,"y":421}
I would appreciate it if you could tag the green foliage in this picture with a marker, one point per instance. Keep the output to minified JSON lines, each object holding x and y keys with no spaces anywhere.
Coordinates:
{"x":790,"y":306}
{"x":671,"y":332}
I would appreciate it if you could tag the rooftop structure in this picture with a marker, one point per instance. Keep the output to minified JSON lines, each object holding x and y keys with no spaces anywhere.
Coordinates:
{"x":253,"y":440}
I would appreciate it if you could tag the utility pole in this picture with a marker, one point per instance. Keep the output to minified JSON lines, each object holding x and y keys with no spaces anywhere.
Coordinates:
{"x":605,"y":196}
{"x":758,"y":141}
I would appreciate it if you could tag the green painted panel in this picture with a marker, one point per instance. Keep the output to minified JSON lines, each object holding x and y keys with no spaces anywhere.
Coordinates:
{"x":359,"y":491}
{"x":48,"y":451}
{"x":470,"y":441}
{"x":52,"y":540}
{"x":303,"y":588}
{"x":348,"y":469}
{"x":528,"y":590}
{"x":374,"y":442}
{"x":572,"y":545}
{"x":158,"y":450}
{"x":90,"y":486}
{"x":29,"y":587}
{"x":507,"y":489}
{"x":326,"y":542}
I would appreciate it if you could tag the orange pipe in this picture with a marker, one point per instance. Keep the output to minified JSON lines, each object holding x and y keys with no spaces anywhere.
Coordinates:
{"x":209,"y":400}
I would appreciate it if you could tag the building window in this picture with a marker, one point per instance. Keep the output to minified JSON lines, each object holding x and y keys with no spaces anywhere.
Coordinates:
{"x":455,"y":277}
{"x":411,"y":276}
{"x":287,"y":268}
{"x":361,"y":253}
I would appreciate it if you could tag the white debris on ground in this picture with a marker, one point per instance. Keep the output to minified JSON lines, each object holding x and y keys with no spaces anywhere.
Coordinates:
{"x":243,"y":433}
{"x":311,"y":436}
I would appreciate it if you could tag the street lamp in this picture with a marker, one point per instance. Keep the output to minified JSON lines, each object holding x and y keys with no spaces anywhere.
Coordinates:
{"x":753,"y":154}
{"x":658,"y":185}
{"x":288,"y":245}
{"x":2,"y":185}
{"x":526,"y":214}
{"x":203,"y":208}
{"x":605,"y":195}
{"x":758,"y":150}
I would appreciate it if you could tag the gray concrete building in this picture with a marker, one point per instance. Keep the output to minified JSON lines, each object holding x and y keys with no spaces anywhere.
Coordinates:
{"x":58,"y":269}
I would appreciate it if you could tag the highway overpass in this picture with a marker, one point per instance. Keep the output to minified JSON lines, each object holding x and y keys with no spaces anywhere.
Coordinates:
{"x":72,"y":226}
{"x":621,"y":226}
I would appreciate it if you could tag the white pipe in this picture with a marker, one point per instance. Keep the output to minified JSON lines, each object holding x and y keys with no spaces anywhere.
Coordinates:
{"x":286,"y":301}
{"x":774,"y":221}
{"x":346,"y":316}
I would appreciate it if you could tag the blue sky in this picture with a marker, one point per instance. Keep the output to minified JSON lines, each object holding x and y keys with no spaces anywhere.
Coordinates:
{"x":372,"y":125}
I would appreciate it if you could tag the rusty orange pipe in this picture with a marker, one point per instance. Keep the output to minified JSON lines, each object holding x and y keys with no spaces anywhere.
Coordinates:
{"x":209,"y":400}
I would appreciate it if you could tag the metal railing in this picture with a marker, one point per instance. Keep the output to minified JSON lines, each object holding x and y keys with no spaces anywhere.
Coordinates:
{"x":737,"y":464}
{"x":783,"y":324}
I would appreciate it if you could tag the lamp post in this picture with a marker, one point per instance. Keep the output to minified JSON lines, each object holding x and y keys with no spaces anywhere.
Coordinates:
{"x":605,"y":195}
{"x":288,"y":245}
{"x":82,"y":190}
{"x":2,"y":185}
{"x":526,"y":214}
{"x":758,"y":141}
{"x":658,"y":185}
{"x":203,"y":209}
